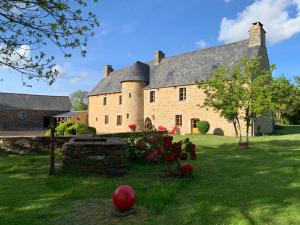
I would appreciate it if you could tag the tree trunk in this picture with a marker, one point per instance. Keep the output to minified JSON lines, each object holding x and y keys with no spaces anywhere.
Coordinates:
{"x":235,"y":128}
{"x":247,"y":130}
{"x":240,"y":131}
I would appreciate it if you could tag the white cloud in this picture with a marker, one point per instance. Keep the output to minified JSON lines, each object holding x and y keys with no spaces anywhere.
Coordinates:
{"x":24,"y":51}
{"x":274,"y":14}
{"x":17,"y":56}
{"x":79,"y":77}
{"x":62,"y":70}
{"x":201,"y":44}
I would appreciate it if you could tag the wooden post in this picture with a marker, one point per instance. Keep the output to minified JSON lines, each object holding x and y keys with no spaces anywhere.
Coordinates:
{"x":52,"y":151}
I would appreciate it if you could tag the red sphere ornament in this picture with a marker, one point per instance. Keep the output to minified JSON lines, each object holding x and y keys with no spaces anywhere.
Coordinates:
{"x":124,"y":198}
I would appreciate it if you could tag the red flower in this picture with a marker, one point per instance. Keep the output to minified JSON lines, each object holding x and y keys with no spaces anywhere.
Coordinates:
{"x":186,"y":169}
{"x":157,"y":152}
{"x":161,"y":128}
{"x":132,"y":126}
{"x":150,"y":157}
{"x":141,"y":145}
{"x":170,"y":158}
{"x":193,"y":155}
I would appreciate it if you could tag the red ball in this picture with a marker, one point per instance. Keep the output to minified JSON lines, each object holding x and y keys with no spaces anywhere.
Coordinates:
{"x":124,"y":198}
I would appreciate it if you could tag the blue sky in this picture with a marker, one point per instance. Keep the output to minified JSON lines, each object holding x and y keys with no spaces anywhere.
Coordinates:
{"x":132,"y":30}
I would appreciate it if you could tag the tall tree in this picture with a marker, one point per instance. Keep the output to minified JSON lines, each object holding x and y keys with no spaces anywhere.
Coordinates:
{"x":242,"y":92}
{"x":284,"y":95}
{"x":79,"y":100}
{"x":27,"y":26}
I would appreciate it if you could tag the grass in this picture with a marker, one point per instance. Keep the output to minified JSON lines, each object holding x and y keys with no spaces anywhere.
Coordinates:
{"x":229,"y":186}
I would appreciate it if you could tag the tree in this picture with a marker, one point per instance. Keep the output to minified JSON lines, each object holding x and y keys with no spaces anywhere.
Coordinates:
{"x":284,"y":95}
{"x":27,"y":26}
{"x":242,"y":91}
{"x":79,"y":100}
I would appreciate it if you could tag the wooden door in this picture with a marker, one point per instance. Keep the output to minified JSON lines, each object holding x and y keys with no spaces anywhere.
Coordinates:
{"x":194,"y":126}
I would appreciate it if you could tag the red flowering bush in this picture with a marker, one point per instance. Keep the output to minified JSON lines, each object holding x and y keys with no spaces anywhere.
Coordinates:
{"x":186,"y":170}
{"x":158,"y":147}
{"x":161,"y":128}
{"x":132,"y":127}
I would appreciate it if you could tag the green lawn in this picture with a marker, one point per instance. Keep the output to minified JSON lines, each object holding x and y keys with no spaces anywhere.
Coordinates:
{"x":229,"y":186}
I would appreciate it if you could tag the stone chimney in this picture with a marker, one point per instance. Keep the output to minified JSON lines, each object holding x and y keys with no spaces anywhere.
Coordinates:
{"x":159,"y":55}
{"x":107,"y":70}
{"x":257,"y":35}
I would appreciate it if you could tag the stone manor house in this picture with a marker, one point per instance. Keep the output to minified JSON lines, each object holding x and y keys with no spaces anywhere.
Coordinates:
{"x":163,"y":92}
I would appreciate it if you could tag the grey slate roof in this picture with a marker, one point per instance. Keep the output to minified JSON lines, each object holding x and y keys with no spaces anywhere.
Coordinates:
{"x":34,"y":102}
{"x":68,"y":114}
{"x":177,"y":70}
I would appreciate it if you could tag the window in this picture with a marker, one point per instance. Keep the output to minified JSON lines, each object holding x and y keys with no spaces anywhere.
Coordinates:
{"x":152,"y":96}
{"x":119,"y":120}
{"x":127,"y":116}
{"x":120,"y":100}
{"x":178,"y":120}
{"x":104,"y":100}
{"x":129,"y":95}
{"x":106,"y":119}
{"x":182,"y":94}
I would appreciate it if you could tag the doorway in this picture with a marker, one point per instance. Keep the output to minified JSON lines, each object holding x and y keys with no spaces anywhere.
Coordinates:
{"x":194,"y":127}
{"x":46,"y":123}
{"x":148,"y":124}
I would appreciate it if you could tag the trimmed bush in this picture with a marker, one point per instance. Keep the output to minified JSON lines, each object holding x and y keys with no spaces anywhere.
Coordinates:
{"x":71,"y":128}
{"x":203,"y":126}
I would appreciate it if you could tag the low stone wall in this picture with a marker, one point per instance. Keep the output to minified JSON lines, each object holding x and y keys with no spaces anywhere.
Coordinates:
{"x":29,"y":145}
{"x":95,"y":155}
{"x":122,"y":134}
{"x":42,"y":144}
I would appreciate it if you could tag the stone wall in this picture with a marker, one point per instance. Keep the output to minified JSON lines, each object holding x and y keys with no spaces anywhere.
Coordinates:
{"x":42,"y":145}
{"x":24,"y":119}
{"x":29,"y":145}
{"x":95,"y":156}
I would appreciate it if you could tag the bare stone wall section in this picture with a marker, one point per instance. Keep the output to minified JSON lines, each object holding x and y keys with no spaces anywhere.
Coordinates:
{"x":95,"y":156}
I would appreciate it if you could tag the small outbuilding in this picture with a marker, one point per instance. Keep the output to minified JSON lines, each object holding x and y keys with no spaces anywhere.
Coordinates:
{"x":80,"y":116}
{"x":30,"y":112}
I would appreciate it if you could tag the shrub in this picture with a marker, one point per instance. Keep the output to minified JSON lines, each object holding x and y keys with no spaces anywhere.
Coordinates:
{"x":158,"y":147}
{"x":203,"y":126}
{"x":72,"y":128}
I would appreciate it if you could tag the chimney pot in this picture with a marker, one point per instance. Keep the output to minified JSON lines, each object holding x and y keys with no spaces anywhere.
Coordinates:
{"x":107,"y":70}
{"x":257,"y":35}
{"x":159,"y":55}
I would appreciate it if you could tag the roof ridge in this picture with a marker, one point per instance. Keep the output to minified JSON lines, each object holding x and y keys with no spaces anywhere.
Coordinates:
{"x":203,"y":49}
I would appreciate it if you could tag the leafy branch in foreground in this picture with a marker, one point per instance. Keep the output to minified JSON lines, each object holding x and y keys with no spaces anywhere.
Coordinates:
{"x":27,"y":26}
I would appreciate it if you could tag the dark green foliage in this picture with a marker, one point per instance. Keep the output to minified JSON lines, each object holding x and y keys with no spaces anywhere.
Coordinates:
{"x":72,"y":128}
{"x":203,"y":126}
{"x":27,"y":26}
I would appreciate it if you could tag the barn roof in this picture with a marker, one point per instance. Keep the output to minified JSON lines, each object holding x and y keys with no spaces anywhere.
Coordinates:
{"x":34,"y":102}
